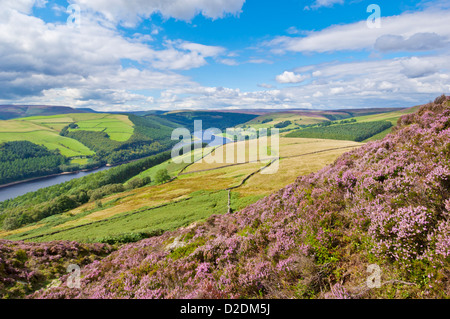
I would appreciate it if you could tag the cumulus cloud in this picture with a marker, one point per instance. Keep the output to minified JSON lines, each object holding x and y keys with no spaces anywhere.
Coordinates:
{"x":417,"y":68}
{"x":265,"y":86}
{"x":42,"y":60}
{"x":230,"y":62}
{"x":398,"y":82}
{"x":357,"y":36}
{"x":130,"y":12}
{"x":290,"y":77}
{"x":323,"y":3}
{"x":416,"y":42}
{"x":180,"y":55}
{"x":23,"y":6}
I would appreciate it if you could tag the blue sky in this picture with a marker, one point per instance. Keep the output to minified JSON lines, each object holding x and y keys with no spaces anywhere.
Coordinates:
{"x":220,"y":54}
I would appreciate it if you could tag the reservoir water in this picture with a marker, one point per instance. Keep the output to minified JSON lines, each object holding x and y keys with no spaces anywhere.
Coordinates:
{"x":20,"y":189}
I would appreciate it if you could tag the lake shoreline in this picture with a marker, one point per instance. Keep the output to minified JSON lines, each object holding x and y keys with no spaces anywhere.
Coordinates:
{"x":68,"y":173}
{"x":49,"y":176}
{"x":5,"y":187}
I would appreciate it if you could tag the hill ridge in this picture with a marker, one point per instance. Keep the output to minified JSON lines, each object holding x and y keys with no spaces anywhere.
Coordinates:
{"x":385,"y":204}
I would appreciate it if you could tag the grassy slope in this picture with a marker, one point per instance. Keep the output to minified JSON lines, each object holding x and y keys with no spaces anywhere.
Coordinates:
{"x":190,"y":190}
{"x":312,"y":239}
{"x":18,"y":130}
{"x":220,"y":120}
{"x":44,"y":130}
{"x":276,"y":118}
{"x":390,"y":116}
{"x":17,"y":111}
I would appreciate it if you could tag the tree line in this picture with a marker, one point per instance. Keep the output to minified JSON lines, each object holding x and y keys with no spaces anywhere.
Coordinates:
{"x":357,"y":132}
{"x":60,"y":198}
{"x":22,"y":160}
{"x":149,"y":138}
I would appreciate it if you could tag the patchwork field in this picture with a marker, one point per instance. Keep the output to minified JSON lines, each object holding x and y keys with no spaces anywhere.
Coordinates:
{"x":390,"y":116}
{"x":44,"y":130}
{"x":196,"y":193}
{"x":118,"y":127}
{"x":50,"y":139}
{"x":269,"y":120}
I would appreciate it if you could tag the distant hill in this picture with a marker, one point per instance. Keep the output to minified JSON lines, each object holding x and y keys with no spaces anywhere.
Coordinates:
{"x":384,"y":206}
{"x":341,"y":113}
{"x":210,"y":119}
{"x":16,"y":111}
{"x":84,"y":140}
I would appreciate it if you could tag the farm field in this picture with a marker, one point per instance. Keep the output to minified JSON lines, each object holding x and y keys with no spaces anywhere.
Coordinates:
{"x":118,"y":127}
{"x":44,"y":130}
{"x":46,"y":137}
{"x":390,"y":116}
{"x":276,"y":118}
{"x":200,"y":185}
{"x":358,"y":131}
{"x":172,"y":167}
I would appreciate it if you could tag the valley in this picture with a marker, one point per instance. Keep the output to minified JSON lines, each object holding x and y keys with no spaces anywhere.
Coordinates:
{"x":224,"y":158}
{"x":158,"y":195}
{"x":297,"y":157}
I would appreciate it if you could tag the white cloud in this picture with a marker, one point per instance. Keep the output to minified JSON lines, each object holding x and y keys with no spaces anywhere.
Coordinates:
{"x":381,"y":83}
{"x":130,"y":12}
{"x":357,"y":36}
{"x":47,"y":62}
{"x":204,"y":50}
{"x":265,"y":86}
{"x":230,"y":62}
{"x":290,"y":77}
{"x":23,"y":6}
{"x":318,"y":94}
{"x":294,"y":30}
{"x":259,"y":61}
{"x":416,"y":68}
{"x":323,"y":3}
{"x":416,"y":42}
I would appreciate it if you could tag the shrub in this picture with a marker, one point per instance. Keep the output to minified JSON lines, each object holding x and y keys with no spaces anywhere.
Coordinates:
{"x":11,"y":223}
{"x":139,"y":182}
{"x":283,"y":124}
{"x":162,"y":176}
{"x":105,"y":190}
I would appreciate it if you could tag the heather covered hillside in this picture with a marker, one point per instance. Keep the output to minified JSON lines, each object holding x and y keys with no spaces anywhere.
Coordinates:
{"x":386,"y":203}
{"x":26,"y":267}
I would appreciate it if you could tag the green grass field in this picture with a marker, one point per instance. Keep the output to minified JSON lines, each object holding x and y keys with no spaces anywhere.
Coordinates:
{"x":44,"y":130}
{"x":172,"y":167}
{"x":201,"y":205}
{"x":391,"y":116}
{"x":51,"y":140}
{"x":118,"y":127}
{"x":195,"y":195}
{"x":276,"y":118}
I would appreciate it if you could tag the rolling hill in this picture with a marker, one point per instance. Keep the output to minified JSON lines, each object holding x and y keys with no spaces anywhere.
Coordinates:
{"x":220,"y":120}
{"x":93,"y":139}
{"x":16,"y":111}
{"x":199,"y":182}
{"x":87,"y":140}
{"x":385,"y":203}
